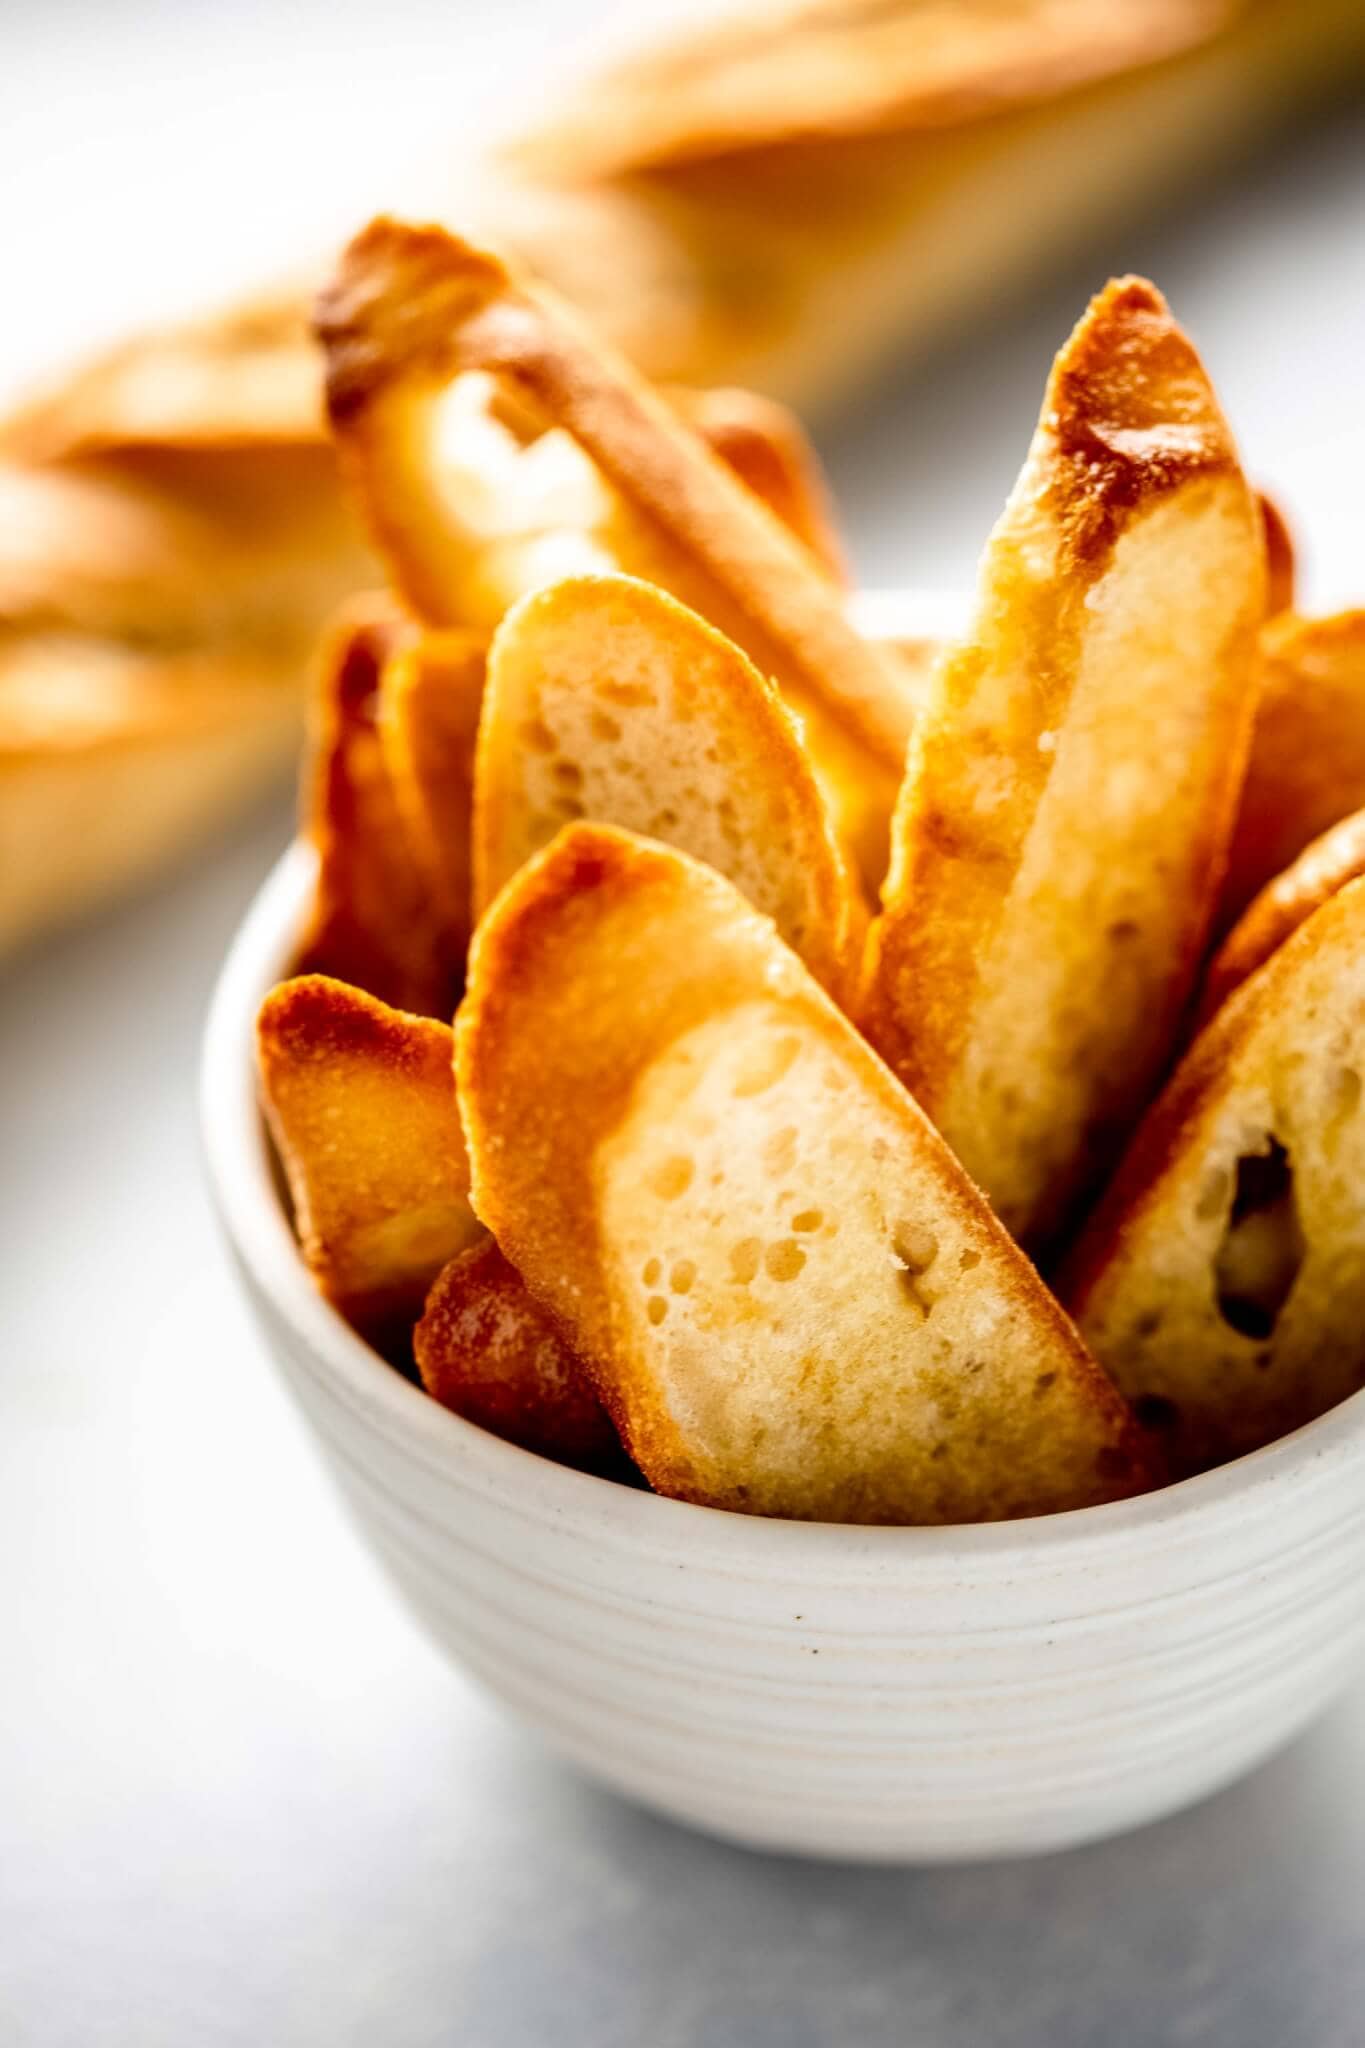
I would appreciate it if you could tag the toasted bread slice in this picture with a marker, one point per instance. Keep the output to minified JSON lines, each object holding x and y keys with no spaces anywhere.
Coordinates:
{"x":361,"y":1102}
{"x":607,"y":700}
{"x":1222,"y":1281}
{"x":430,"y":697}
{"x":768,"y":450}
{"x":1281,"y":566}
{"x":375,"y":921}
{"x":433,"y":684}
{"x":1307,"y":765}
{"x":1323,"y":867}
{"x":445,"y":369}
{"x":1061,"y":832}
{"x":790,"y":1297}
{"x":485,"y":1350}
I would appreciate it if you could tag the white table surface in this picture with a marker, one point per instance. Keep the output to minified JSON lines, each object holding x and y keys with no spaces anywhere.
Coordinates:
{"x":241,"y":1802}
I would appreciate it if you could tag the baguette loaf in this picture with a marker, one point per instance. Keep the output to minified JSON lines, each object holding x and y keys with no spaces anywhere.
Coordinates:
{"x":376,"y":922}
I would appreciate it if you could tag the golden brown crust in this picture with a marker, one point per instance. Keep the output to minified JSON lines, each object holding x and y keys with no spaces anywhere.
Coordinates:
{"x":1306,"y":769}
{"x":1324,"y":866}
{"x":597,"y":967}
{"x":764,"y":444}
{"x":374,"y":921}
{"x":430,"y":697}
{"x":486,"y":1351}
{"x":1033,"y":921}
{"x":806,"y":69}
{"x":361,"y":1103}
{"x":413,"y":308}
{"x":1129,"y":417}
{"x":607,"y":700}
{"x":1280,"y":561}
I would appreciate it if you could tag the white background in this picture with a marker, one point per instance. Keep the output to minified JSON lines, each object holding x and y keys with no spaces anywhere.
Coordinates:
{"x":240,"y":1801}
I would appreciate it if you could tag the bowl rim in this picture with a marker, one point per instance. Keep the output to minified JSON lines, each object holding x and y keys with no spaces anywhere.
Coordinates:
{"x":245,"y":1188}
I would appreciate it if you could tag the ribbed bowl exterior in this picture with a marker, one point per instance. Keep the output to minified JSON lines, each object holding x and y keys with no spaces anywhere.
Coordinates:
{"x":883,"y":1694}
{"x":888,"y":1694}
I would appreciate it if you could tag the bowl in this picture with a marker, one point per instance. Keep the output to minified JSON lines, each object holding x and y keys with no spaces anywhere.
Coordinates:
{"x":874,"y":1694}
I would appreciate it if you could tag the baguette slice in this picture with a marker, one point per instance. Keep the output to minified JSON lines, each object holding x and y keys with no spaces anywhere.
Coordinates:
{"x":764,"y":444}
{"x":361,"y":1102}
{"x":791,"y":1299}
{"x":607,"y":700}
{"x":1323,"y":867}
{"x":433,"y":684}
{"x":1307,"y":765}
{"x":454,"y":387}
{"x":374,"y":921}
{"x":1061,"y":832}
{"x":430,"y":698}
{"x":1222,"y":1281}
{"x":1281,"y":559}
{"x":486,"y":1351}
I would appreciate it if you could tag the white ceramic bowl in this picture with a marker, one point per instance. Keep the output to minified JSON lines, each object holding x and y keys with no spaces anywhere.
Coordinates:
{"x":906,"y":1694}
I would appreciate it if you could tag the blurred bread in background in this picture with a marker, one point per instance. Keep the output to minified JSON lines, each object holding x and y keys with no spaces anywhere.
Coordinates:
{"x":781,"y":199}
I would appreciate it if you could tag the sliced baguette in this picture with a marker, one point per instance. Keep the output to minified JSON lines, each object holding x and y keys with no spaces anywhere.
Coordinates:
{"x":1281,"y":562}
{"x":1307,"y":765}
{"x":607,"y":700}
{"x":1062,"y":828}
{"x":487,"y":1352}
{"x":375,"y":922}
{"x":412,"y":316}
{"x":766,"y":447}
{"x":432,"y":685}
{"x":1222,"y":1281}
{"x":430,"y":698}
{"x":1323,"y":867}
{"x":360,"y":1099}
{"x":791,"y":1299}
